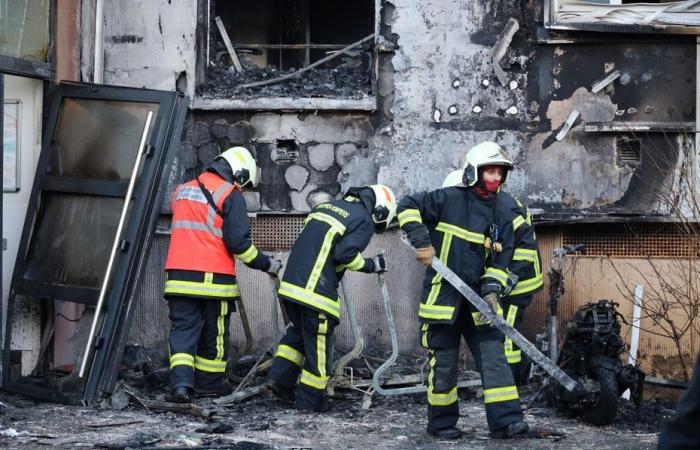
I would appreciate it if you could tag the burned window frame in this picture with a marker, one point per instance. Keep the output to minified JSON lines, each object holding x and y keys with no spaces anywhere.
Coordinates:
{"x":135,"y":239}
{"x":552,"y":20}
{"x":44,"y":70}
{"x":205,"y":28}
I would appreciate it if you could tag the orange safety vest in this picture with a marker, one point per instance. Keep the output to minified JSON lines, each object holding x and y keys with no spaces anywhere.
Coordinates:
{"x":196,"y":242}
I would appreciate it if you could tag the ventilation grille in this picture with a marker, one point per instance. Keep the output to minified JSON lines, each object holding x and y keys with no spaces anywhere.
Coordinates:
{"x":276,"y":233}
{"x":669,"y":240}
{"x":629,"y":151}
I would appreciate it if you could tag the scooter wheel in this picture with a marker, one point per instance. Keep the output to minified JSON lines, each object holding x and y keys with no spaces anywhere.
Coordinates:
{"x":605,"y":407}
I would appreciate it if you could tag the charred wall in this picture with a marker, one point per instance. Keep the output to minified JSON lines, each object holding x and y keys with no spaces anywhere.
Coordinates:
{"x":436,"y":95}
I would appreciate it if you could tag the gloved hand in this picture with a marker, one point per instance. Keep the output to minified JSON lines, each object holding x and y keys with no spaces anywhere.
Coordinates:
{"x":424,"y":255}
{"x":378,"y":263}
{"x":491,"y":299}
{"x":275,"y":267}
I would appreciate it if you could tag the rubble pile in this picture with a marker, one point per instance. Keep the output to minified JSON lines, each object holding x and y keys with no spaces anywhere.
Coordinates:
{"x":339,"y":82}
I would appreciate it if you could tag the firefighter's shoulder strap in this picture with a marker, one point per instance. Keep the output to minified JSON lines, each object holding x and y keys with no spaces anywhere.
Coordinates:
{"x":209,"y":198}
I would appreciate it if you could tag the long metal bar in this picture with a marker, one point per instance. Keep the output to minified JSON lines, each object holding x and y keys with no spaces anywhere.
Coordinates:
{"x":273,"y":309}
{"x":535,"y":355}
{"x":245,"y":323}
{"x":310,"y":66}
{"x":376,"y":378}
{"x":115,"y":244}
{"x":290,"y":46}
{"x":98,"y":75}
{"x":357,"y":337}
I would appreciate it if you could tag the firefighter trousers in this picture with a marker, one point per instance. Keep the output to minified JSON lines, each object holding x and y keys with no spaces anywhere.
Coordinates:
{"x":304,"y":355}
{"x":198,"y":342}
{"x":486,"y":344}
{"x":513,"y":314}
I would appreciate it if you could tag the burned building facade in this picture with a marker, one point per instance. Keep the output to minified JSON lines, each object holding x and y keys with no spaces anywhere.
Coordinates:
{"x":595,"y":102}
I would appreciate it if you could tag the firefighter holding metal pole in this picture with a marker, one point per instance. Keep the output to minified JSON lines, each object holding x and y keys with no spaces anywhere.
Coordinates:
{"x":472,"y":233}
{"x":210,"y":227}
{"x":525,"y":277}
{"x":333,"y":237}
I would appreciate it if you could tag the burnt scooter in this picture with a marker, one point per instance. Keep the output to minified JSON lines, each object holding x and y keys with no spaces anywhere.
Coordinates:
{"x":590,"y":353}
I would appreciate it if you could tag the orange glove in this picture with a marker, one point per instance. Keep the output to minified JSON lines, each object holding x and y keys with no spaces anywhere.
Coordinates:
{"x":424,"y":255}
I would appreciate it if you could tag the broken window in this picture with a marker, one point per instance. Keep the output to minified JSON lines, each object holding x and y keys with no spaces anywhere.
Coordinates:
{"x":251,"y":44}
{"x":625,"y":15}
{"x":25,"y":36}
{"x":83,"y":243}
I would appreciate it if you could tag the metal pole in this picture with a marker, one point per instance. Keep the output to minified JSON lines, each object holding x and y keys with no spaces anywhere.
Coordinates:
{"x":115,"y":244}
{"x":497,"y":321}
{"x":98,"y":71}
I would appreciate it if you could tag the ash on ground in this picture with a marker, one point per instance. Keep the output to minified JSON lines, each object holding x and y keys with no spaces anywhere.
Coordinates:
{"x":264,"y":422}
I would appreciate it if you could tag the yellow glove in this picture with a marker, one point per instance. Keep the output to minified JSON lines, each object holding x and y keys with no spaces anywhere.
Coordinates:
{"x":424,"y":255}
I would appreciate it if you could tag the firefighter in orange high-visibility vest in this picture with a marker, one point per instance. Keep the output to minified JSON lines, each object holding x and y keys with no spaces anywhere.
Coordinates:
{"x":210,"y":227}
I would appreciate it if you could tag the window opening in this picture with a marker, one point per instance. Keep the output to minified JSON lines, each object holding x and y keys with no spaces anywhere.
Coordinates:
{"x":273,"y":38}
{"x":653,"y":15}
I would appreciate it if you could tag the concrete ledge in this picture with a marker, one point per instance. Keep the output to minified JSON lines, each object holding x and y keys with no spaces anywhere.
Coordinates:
{"x":282,"y":103}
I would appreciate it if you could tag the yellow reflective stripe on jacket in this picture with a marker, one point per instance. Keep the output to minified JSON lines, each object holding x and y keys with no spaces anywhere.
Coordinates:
{"x":529,"y":285}
{"x":436,"y":399}
{"x":525,"y":254}
{"x":357,"y":263}
{"x":476,"y":316}
{"x":512,"y":356}
{"x":496,"y":274}
{"x":409,"y":215}
{"x":290,"y":354}
{"x":502,"y":394}
{"x":461,"y":233}
{"x":330,"y":220}
{"x":436,"y":312}
{"x":321,"y":259}
{"x":201,"y":289}
{"x":312,"y":380}
{"x":310,"y":298}
{"x":181,"y":359}
{"x":517,"y":222}
{"x":248,"y":255}
{"x":209,"y":365}
{"x":428,"y":309}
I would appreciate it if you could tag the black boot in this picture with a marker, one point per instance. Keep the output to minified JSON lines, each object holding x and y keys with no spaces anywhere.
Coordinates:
{"x":180,"y":394}
{"x":514,"y":429}
{"x":445,"y":433}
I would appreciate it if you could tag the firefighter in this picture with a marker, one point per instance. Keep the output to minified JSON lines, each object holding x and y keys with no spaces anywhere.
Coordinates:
{"x":524,"y":278}
{"x":333,"y":237}
{"x":462,"y":225}
{"x":210,"y":227}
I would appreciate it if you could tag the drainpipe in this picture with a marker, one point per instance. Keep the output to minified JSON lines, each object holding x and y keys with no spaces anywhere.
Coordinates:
{"x":98,"y":74}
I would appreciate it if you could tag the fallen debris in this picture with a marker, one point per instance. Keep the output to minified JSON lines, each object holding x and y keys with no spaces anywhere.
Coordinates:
{"x":188,"y":408}
{"x":568,"y":124}
{"x":500,"y":48}
{"x":229,"y":46}
{"x":310,"y":66}
{"x":599,"y":85}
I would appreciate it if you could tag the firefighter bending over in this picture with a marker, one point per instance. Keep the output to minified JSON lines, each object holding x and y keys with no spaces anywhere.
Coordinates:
{"x":465,"y":224}
{"x":334,"y":235}
{"x":210,"y":227}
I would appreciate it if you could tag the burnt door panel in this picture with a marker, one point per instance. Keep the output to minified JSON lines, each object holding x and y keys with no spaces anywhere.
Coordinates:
{"x":89,"y":151}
